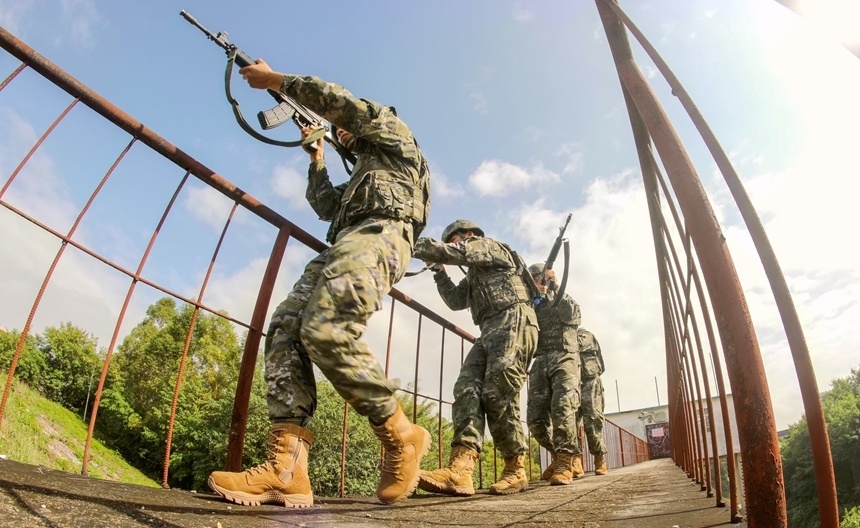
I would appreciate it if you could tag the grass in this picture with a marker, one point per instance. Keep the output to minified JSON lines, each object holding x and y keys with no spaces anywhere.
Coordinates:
{"x":40,"y":432}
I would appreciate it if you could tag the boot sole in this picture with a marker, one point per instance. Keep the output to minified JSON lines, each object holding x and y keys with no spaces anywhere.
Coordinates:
{"x":425,"y":448}
{"x":293,"y":500}
{"x":509,"y":491}
{"x":434,"y":486}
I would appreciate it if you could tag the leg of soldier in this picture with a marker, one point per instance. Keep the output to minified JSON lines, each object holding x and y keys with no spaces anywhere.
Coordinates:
{"x":467,"y":412}
{"x":538,"y":408}
{"x":510,"y":339}
{"x":468,"y":422}
{"x":363,"y":264}
{"x":564,"y":374}
{"x":291,"y":398}
{"x":291,"y":388}
{"x":592,"y":420}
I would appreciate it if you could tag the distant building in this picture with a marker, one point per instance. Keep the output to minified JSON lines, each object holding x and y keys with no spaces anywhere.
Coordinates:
{"x":652,"y":425}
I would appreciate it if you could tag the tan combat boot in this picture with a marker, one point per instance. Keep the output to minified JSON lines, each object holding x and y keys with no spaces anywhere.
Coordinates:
{"x":564,"y":464}
{"x":282,"y":479}
{"x":550,"y":468}
{"x":514,"y":479}
{"x":456,"y":479}
{"x":405,"y":444}
{"x":576,"y":468}
{"x":600,"y":465}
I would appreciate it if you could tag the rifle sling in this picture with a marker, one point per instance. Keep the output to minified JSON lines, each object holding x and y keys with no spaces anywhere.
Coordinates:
{"x":563,"y":284}
{"x":240,"y":119}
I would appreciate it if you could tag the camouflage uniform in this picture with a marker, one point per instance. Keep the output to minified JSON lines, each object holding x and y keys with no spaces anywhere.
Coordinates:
{"x":374,"y":219}
{"x":591,"y":411}
{"x":554,"y":377}
{"x":495,"y":291}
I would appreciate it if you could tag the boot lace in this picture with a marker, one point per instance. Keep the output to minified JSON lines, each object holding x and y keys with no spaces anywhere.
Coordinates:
{"x":392,"y":458}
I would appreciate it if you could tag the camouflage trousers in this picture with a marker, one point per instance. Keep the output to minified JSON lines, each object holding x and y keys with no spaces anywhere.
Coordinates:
{"x":323,"y":318}
{"x":591,"y":414}
{"x":487,"y":391}
{"x":554,"y":401}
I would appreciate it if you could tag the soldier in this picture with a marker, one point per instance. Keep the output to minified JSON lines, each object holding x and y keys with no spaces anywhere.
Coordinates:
{"x":591,"y":410}
{"x":554,"y":381}
{"x":374,"y":218}
{"x":497,"y":291}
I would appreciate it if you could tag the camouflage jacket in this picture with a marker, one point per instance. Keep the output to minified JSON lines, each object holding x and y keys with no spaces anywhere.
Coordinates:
{"x":390,"y":177}
{"x":558,"y":324}
{"x":493,"y":282}
{"x":592,"y":357}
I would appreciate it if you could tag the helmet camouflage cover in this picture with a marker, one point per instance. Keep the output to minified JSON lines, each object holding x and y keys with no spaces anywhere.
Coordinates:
{"x":461,"y":225}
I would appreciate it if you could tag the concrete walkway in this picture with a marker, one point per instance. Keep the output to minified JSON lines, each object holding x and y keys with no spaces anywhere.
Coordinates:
{"x":654,"y":494}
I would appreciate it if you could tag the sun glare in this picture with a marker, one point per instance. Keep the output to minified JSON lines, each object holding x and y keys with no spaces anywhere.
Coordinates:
{"x":839,"y":19}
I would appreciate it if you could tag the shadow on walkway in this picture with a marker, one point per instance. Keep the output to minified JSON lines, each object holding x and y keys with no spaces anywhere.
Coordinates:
{"x":654,"y":494}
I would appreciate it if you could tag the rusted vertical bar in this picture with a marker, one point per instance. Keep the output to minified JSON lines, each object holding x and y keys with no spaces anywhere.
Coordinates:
{"x":621,"y":441}
{"x":188,"y":337}
{"x":121,"y":318}
{"x":239,"y":418}
{"x":36,"y":146}
{"x":825,"y":479}
{"x":12,"y":76}
{"x":343,"y":440}
{"x":390,"y":333}
{"x":417,"y":358}
{"x":759,"y":443}
{"x":26,"y":329}
{"x":718,"y":372}
{"x":691,"y":265}
{"x":679,"y":283}
{"x":683,"y":360}
{"x":441,"y":381}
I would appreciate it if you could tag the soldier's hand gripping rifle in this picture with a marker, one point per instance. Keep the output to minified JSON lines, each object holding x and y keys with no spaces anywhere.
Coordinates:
{"x":550,"y":262}
{"x":287,"y":108}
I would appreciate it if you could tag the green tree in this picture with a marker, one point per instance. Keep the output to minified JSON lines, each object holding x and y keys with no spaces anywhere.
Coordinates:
{"x":842,"y":413}
{"x":72,"y":364}
{"x":144,"y":374}
{"x":851,"y":519}
{"x":31,"y":363}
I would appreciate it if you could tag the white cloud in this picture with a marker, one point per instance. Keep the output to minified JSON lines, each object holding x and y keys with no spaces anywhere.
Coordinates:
{"x":442,"y":187}
{"x":80,"y":16}
{"x":499,"y":178}
{"x":479,"y":100}
{"x":522,"y":14}
{"x":207,"y":205}
{"x":288,"y":182}
{"x":13,"y":11}
{"x":574,"y":158}
{"x":613,"y":277}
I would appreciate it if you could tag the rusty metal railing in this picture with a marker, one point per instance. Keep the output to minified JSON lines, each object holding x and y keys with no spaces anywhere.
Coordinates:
{"x":705,"y":250}
{"x":624,"y":448}
{"x":186,"y":166}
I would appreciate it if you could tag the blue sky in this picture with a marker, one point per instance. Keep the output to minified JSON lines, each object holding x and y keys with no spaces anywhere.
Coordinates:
{"x":518,"y":108}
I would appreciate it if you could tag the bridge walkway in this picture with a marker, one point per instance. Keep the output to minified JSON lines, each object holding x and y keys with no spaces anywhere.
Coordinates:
{"x":653,"y":494}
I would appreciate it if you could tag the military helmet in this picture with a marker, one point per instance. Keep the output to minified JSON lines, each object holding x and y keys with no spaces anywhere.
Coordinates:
{"x":536,"y":269}
{"x":460,"y":225}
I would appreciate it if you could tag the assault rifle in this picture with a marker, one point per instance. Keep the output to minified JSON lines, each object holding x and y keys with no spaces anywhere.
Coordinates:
{"x":287,"y":108}
{"x":550,"y":262}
